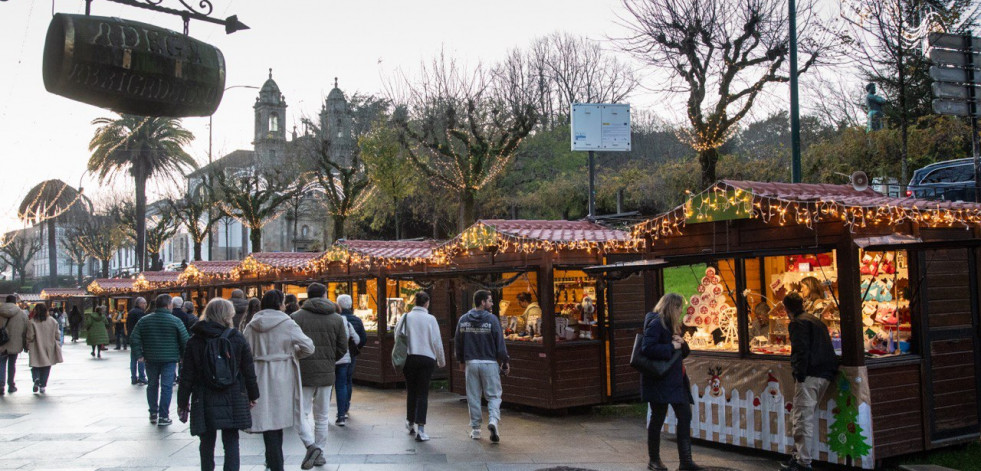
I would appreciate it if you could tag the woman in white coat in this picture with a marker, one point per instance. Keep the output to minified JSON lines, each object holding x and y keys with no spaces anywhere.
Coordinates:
{"x":277,"y":344}
{"x":43,"y":346}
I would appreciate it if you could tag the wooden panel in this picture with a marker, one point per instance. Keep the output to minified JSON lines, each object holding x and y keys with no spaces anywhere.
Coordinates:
{"x":578,"y":376}
{"x":627,"y":311}
{"x":897,"y":417}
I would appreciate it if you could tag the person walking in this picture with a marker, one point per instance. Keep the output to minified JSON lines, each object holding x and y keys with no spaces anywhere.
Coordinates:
{"x":346,"y":304}
{"x":212,"y":408}
{"x":15,"y":321}
{"x":96,"y":330}
{"x":318,"y":319}
{"x":43,"y":346}
{"x":483,"y":356}
{"x":241,"y":307}
{"x":187,"y":319}
{"x":75,"y":321}
{"x":254,"y":306}
{"x":137,"y":369}
{"x":158,"y":340}
{"x":814,"y":365}
{"x":119,"y":327}
{"x":292,"y":304}
{"x":424,"y":354}
{"x":341,"y":371}
{"x":189,"y":308}
{"x":277,"y":344}
{"x":58,"y":314}
{"x":662,"y":337}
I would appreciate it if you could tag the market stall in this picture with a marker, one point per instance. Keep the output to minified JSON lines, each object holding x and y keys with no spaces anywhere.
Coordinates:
{"x":544,"y":299}
{"x":371,"y":271}
{"x":894,"y":280}
{"x":287,"y":271}
{"x":66,"y":298}
{"x":204,"y":280}
{"x":114,"y":293}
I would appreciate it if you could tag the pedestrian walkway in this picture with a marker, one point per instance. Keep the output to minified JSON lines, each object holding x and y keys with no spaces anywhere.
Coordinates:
{"x":93,"y":419}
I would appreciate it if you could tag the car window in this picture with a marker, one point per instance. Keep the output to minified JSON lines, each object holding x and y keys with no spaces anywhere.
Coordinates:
{"x":959,"y":173}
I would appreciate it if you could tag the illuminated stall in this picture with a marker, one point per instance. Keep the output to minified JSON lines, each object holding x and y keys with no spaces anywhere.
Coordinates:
{"x":287,"y":271}
{"x":66,"y":298}
{"x":371,"y":272}
{"x":543,"y":298}
{"x":114,"y":293}
{"x":203,"y":280}
{"x":894,"y":280}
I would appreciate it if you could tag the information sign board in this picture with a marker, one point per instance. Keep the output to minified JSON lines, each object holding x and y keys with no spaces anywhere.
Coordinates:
{"x":601,"y":127}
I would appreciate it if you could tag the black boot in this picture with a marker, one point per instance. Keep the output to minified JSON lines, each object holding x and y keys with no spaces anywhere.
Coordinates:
{"x":684,"y":455}
{"x":654,"y":452}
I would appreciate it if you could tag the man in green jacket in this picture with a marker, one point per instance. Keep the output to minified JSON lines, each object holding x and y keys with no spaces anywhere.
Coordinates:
{"x":158,"y":340}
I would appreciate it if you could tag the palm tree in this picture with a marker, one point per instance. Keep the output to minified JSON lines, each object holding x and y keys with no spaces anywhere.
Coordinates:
{"x":146,"y":146}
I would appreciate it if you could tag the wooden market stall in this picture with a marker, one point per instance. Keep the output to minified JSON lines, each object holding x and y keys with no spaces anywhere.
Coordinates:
{"x":203,"y":280}
{"x":287,"y":271}
{"x":66,"y":298}
{"x":371,"y":271}
{"x":534,"y":267}
{"x":114,"y":293}
{"x":894,"y":280}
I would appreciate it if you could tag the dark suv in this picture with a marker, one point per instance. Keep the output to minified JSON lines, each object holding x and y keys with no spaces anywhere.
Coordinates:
{"x":951,"y":180}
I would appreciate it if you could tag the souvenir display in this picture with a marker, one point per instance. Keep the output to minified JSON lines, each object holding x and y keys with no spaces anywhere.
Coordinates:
{"x":710,"y":320}
{"x":885,"y":308}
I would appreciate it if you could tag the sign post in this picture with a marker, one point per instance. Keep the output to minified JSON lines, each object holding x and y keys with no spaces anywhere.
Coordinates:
{"x":956,"y":81}
{"x":599,"y":127}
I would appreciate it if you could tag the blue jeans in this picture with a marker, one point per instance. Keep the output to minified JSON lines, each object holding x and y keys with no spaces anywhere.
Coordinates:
{"x":135,"y":366}
{"x":161,"y":378}
{"x":8,"y":368}
{"x":343,"y":388}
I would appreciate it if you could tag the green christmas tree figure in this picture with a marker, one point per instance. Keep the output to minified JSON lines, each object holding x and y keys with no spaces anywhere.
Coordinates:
{"x":845,"y":437}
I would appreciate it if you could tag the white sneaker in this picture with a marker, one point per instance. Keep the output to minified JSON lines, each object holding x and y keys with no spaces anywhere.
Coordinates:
{"x":410,"y":427}
{"x":475,"y":433}
{"x":422,"y":437}
{"x":495,"y":437}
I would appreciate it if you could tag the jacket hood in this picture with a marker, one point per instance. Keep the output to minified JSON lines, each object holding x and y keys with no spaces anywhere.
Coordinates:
{"x":9,"y":310}
{"x":480,"y":314}
{"x":267,"y":319}
{"x":207,"y":329}
{"x":318,"y":306}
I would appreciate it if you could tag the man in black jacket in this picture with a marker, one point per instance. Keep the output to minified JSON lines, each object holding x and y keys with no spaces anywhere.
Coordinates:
{"x":814,"y":364}
{"x":134,"y":316}
{"x":347,"y":304}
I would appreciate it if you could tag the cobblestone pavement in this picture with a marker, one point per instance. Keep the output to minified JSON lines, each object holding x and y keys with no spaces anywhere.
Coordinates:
{"x":92,"y":419}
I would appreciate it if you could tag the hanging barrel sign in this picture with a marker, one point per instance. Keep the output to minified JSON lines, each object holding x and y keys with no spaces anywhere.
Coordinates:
{"x":132,"y":67}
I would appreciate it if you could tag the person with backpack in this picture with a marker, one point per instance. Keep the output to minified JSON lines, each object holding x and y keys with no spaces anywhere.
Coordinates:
{"x":12,"y":337}
{"x":347,"y":304}
{"x":218,"y":387}
{"x":277,"y":344}
{"x":159,"y":340}
{"x":318,"y":319}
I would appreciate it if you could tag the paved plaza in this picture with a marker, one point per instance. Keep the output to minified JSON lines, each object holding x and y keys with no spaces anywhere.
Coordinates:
{"x":92,"y":419}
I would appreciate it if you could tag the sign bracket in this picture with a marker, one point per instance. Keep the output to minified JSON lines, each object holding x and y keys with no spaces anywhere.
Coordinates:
{"x":231,"y":23}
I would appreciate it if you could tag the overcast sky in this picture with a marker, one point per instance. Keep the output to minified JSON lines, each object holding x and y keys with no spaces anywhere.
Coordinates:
{"x":306,"y":42}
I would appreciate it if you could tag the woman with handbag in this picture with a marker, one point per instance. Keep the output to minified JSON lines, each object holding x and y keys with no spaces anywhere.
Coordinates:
{"x":662,"y":338}
{"x":424,"y":353}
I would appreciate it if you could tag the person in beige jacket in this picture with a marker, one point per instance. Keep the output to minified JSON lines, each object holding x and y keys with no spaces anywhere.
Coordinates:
{"x":14,"y":319}
{"x":277,"y":344}
{"x":43,"y":347}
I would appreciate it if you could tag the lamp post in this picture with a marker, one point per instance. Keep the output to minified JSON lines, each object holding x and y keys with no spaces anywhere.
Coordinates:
{"x":795,"y":171}
{"x":211,"y":251}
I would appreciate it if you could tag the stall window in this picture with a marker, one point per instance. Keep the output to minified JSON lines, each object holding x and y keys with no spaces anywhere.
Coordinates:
{"x":401,"y":296}
{"x":770,"y":279}
{"x":517,"y":305}
{"x":710,"y":319}
{"x":885,"y":302}
{"x":575,"y":305}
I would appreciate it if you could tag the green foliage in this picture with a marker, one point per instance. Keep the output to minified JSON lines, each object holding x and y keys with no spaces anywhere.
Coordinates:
{"x":684,"y":280}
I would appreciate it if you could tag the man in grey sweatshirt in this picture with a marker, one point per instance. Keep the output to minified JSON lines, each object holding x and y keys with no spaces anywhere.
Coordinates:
{"x":481,"y":351}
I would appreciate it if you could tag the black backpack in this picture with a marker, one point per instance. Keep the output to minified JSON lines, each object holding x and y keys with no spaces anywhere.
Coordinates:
{"x":4,"y":336}
{"x":220,"y":365}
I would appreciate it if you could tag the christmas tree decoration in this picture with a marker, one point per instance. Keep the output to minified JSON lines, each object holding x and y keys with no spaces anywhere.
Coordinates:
{"x":845,"y":435}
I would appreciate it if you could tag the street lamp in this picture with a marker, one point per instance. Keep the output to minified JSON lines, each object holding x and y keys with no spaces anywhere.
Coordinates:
{"x":210,"y":125}
{"x":795,"y":167}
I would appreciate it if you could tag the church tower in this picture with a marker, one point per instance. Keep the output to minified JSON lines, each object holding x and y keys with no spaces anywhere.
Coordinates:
{"x":270,"y":129}
{"x":335,"y":121}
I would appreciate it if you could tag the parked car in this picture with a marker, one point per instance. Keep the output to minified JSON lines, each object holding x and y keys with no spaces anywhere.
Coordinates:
{"x":948,"y":180}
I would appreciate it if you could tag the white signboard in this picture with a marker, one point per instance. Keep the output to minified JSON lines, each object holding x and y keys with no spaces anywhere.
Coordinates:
{"x":600,"y":126}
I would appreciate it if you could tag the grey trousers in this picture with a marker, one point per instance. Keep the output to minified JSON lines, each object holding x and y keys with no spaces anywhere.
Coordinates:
{"x":484,"y":379}
{"x":806,"y":397}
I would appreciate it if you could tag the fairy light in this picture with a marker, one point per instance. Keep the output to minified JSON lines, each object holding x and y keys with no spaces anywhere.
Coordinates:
{"x":368,"y":254}
{"x":771,"y":209}
{"x":39,"y":211}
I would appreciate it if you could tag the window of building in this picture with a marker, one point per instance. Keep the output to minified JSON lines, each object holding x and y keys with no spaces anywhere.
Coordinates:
{"x":709,"y":318}
{"x":305,"y":232}
{"x":274,"y":122}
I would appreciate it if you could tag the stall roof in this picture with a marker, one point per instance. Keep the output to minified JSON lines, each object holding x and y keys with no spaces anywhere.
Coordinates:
{"x":48,"y":293}
{"x":266,"y":263}
{"x":26,"y":297}
{"x":364,"y":253}
{"x":203,"y":271}
{"x":807,"y":204}
{"x":102,"y":286}
{"x":525,"y":236}
{"x":161,"y":276}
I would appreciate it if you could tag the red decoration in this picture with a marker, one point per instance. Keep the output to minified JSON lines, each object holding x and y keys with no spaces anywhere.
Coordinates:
{"x":756,"y":401}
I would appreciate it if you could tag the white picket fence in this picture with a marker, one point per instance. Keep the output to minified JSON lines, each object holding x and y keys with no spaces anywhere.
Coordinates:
{"x":738,"y":421}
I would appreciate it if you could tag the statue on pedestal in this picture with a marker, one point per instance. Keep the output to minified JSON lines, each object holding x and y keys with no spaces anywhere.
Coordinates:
{"x":874,"y":103}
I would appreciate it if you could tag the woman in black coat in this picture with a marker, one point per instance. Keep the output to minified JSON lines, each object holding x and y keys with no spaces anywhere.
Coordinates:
{"x":75,"y":320}
{"x":213,"y":409}
{"x":662,"y":337}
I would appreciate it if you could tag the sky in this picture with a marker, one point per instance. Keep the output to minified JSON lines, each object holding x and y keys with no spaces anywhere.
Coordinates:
{"x":306,"y":43}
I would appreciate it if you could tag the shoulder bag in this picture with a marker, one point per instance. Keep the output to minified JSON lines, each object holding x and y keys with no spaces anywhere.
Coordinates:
{"x":4,"y":335}
{"x":649,"y":366}
{"x":400,"y":351}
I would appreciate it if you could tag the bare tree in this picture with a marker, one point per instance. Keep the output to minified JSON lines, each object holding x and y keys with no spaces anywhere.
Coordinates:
{"x":19,"y":252}
{"x":162,"y":225}
{"x":101,"y":235}
{"x":73,"y":250}
{"x":254,"y":197}
{"x":197,"y":212}
{"x":721,"y":53}
{"x":456,"y":132}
